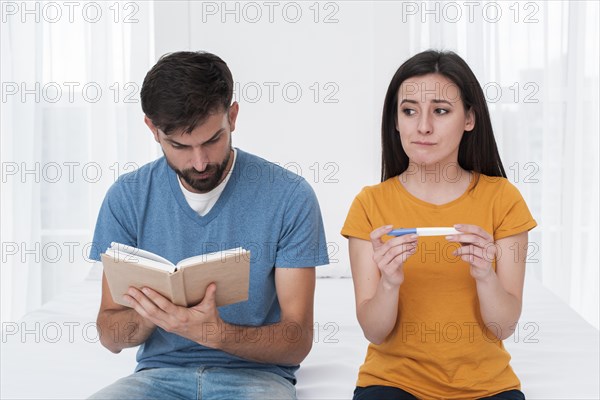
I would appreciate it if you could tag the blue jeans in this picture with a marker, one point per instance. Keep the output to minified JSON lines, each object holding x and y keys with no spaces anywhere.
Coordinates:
{"x":199,"y":384}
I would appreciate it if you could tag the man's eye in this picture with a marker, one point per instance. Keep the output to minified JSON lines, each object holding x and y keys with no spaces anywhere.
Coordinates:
{"x":214,"y":140}
{"x":177,"y":146}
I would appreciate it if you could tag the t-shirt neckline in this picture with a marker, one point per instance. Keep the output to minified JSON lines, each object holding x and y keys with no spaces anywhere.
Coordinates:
{"x":423,"y":203}
{"x":221,"y":201}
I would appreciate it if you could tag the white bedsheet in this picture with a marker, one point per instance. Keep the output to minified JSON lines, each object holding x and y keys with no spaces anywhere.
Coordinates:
{"x":54,"y":353}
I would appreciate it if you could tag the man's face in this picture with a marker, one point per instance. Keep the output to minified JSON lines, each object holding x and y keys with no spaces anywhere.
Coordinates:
{"x":203,"y":157}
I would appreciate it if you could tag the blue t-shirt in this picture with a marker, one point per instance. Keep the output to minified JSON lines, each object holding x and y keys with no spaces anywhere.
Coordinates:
{"x":264,"y":208}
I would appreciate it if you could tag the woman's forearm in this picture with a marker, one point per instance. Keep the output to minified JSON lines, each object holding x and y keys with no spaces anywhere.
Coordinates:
{"x":377,"y":316}
{"x":499,"y":309}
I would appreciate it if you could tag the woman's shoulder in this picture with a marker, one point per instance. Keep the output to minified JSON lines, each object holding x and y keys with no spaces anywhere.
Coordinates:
{"x":378,"y":190}
{"x":495,"y":186}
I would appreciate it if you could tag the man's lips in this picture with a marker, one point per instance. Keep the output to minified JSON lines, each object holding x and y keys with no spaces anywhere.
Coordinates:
{"x":202,"y":175}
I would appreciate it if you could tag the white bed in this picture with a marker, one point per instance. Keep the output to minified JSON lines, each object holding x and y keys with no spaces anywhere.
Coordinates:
{"x":53,"y":353}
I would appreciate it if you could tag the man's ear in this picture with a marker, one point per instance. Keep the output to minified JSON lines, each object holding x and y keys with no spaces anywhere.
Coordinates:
{"x":233,"y":113}
{"x":153,"y":128}
{"x":470,"y":120}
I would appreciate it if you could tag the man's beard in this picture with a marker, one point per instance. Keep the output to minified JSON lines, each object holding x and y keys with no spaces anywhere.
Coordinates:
{"x":204,"y":185}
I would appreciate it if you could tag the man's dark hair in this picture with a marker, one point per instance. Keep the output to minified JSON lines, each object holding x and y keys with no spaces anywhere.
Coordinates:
{"x":184,"y":88}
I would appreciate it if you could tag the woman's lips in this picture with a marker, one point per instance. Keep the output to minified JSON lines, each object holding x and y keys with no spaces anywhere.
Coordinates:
{"x":424,"y":143}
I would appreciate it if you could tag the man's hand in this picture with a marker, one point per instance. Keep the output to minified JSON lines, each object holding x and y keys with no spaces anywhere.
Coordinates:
{"x":118,"y":326}
{"x":286,"y":342}
{"x":189,"y":322}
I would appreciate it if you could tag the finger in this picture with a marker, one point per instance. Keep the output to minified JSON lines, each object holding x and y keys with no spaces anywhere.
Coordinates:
{"x":395,"y":265}
{"x":408,"y":251}
{"x":133,"y":303}
{"x":404,"y":239}
{"x":159,"y":300}
{"x":474,"y":261}
{"x":470,"y":252}
{"x":474,"y":229}
{"x":210,"y":297}
{"x":378,"y":233}
{"x":401,"y":258}
{"x":396,"y":251}
{"x":468,"y":239}
{"x":209,"y":301}
{"x":409,"y":240}
{"x":146,"y":307}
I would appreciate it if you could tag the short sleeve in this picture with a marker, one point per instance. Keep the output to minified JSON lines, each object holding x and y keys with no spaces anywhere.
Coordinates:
{"x":512,"y":214}
{"x":357,"y":222}
{"x":302,"y":242}
{"x":114,"y":223}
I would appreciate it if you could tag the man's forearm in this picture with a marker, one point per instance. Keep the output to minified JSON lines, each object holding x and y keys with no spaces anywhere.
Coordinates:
{"x":284,"y":343}
{"x":120,"y":329}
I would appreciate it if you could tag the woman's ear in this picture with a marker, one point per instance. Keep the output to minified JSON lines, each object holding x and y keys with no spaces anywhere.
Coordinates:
{"x":470,"y":120}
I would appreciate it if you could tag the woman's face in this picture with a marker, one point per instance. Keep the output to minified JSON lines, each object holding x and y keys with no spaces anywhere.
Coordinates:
{"x":432,"y":120}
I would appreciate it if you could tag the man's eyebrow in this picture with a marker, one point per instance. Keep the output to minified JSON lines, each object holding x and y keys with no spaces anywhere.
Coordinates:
{"x":168,"y":139}
{"x":213,"y":137}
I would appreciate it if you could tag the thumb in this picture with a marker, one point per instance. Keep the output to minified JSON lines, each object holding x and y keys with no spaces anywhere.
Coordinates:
{"x":210,"y":297}
{"x":377,"y":234}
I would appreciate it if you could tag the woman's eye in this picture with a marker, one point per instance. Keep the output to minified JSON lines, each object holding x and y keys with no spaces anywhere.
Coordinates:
{"x":408,"y":111}
{"x":441,"y":111}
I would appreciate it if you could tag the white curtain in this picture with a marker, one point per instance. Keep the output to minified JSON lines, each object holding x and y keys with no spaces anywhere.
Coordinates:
{"x":71,"y":123}
{"x":538,"y":63}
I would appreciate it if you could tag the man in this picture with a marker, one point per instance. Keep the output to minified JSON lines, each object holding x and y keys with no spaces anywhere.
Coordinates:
{"x":204,"y":196}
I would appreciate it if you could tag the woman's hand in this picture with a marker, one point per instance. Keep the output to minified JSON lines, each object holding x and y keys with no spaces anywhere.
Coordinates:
{"x":477,"y":248}
{"x":391,"y":255}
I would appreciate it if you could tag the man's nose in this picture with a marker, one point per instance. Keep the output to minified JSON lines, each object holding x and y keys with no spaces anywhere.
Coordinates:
{"x":199,"y":159}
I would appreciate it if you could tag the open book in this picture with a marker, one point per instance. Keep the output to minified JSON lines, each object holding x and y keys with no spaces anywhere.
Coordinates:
{"x":185,"y":283}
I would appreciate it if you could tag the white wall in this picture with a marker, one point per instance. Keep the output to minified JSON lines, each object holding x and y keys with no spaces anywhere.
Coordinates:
{"x":305,"y":88}
{"x":537,"y":61}
{"x":519,"y":51}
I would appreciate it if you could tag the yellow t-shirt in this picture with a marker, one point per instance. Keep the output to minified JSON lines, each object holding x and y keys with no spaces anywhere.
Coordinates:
{"x":439,"y":347}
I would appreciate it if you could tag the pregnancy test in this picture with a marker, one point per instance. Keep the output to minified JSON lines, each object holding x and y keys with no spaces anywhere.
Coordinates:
{"x":433,"y":231}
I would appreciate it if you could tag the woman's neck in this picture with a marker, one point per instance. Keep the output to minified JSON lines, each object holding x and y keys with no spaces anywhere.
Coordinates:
{"x":436,"y":184}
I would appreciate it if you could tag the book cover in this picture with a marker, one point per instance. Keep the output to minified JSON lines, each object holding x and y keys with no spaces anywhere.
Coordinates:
{"x":183,"y":284}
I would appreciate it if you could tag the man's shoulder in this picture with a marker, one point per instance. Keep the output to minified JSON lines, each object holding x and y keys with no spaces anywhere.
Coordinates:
{"x":151,"y":170}
{"x":254,"y":169}
{"x":140,"y":181}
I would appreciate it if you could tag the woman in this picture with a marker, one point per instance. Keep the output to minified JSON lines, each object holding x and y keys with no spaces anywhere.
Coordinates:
{"x":436,"y":309}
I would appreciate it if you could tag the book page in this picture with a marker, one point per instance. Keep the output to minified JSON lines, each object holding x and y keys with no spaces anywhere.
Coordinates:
{"x":142,"y":254}
{"x":238,"y":252}
{"x":129,"y":258}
